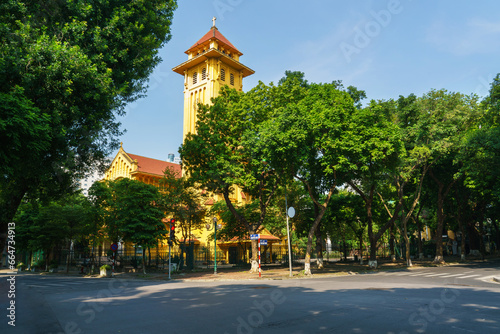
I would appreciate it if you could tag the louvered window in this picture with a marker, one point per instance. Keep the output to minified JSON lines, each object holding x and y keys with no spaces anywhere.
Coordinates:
{"x":203,"y":74}
{"x":223,"y":74}
{"x":195,"y":78}
{"x":231,"y":79}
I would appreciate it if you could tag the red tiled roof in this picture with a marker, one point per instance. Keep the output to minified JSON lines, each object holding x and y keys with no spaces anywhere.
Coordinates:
{"x":154,"y":166}
{"x":214,"y":33}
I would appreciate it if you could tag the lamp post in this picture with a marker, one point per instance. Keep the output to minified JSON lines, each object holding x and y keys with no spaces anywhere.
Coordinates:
{"x":215,"y":245}
{"x":290,"y":213}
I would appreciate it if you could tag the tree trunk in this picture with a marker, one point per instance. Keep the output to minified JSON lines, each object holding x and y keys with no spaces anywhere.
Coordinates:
{"x":462,"y":240}
{"x":482,"y":246}
{"x":407,"y":243}
{"x":473,"y":239}
{"x":495,"y":225}
{"x":149,"y":256}
{"x":440,"y":216}
{"x":372,"y":262}
{"x":254,"y":260}
{"x":392,"y":244}
{"x":251,"y":228}
{"x":360,"y":248}
{"x":307,"y":262}
{"x":373,"y":254}
{"x":319,"y":248}
{"x":439,"y":229}
{"x":143,"y":261}
{"x":319,"y":212}
{"x":416,"y":219}
{"x":10,"y":199}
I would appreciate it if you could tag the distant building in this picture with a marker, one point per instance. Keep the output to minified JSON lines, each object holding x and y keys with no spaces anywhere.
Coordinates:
{"x":86,"y":183}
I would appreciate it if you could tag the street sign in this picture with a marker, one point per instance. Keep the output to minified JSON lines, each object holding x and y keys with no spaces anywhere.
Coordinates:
{"x":254,"y":236}
{"x":114,"y":247}
{"x":263,"y":242}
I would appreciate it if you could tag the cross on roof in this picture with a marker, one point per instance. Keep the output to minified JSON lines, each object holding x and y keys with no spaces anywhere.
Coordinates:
{"x":213,"y":20}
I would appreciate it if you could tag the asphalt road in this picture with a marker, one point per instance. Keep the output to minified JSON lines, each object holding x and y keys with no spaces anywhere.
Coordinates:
{"x":452,"y":299}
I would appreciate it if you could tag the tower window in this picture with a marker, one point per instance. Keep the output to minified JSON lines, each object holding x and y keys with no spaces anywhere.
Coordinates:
{"x":195,"y":78}
{"x":203,"y":73}
{"x":231,"y":79}
{"x":223,"y":74}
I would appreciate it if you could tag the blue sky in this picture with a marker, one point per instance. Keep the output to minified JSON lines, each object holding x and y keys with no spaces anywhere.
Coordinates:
{"x":387,"y":48}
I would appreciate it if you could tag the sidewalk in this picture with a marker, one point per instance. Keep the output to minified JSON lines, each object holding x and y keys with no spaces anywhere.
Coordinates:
{"x":268,"y":273}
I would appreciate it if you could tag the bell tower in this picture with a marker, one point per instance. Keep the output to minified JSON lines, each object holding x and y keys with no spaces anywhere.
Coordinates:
{"x":212,"y":63}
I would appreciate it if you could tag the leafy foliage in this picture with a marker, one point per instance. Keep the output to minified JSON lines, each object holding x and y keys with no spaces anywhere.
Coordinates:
{"x":67,"y":68}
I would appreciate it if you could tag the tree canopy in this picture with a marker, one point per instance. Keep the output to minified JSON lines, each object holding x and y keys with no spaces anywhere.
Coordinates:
{"x":67,"y":69}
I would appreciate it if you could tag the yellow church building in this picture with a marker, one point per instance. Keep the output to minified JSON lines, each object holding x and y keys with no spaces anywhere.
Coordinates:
{"x":212,"y":62}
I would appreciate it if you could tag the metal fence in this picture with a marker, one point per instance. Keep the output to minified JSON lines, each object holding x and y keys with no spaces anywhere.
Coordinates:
{"x":190,"y":257}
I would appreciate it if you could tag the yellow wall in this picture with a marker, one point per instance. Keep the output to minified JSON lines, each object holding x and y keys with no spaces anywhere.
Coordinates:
{"x":202,"y":82}
{"x":121,"y":167}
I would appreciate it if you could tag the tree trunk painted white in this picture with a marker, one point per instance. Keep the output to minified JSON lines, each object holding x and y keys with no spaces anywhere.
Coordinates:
{"x":307,"y":268}
{"x":319,"y":262}
{"x":372,"y":264}
{"x":255,"y":266}
{"x":438,"y":259}
{"x":408,"y":263}
{"x":393,"y":258}
{"x":462,"y":257}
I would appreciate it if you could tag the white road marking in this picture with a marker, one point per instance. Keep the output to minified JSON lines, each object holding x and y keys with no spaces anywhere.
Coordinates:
{"x":432,"y":275}
{"x":470,"y":276}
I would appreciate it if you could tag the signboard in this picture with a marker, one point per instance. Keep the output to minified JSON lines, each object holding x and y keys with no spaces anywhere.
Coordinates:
{"x":291,"y":212}
{"x":254,"y":236}
{"x":263,"y":242}
{"x":114,"y":247}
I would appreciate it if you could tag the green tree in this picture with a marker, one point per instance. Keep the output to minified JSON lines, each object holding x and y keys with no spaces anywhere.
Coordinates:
{"x":221,"y":159}
{"x":480,"y":154}
{"x":446,"y":118}
{"x":57,"y":223}
{"x":138,"y":213}
{"x":310,"y":137}
{"x":183,"y":202}
{"x":67,"y":68}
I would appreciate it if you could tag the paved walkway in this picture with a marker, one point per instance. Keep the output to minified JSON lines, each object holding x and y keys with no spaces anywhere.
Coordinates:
{"x":269,"y":273}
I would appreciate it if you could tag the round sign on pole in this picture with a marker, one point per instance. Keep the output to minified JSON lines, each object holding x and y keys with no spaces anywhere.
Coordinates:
{"x":114,"y":247}
{"x":291,"y":212}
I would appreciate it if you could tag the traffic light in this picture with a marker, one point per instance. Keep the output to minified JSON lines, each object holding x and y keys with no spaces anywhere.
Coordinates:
{"x":172,"y":229}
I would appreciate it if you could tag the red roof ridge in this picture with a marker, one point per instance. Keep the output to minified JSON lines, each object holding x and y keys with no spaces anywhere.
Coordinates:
{"x":154,"y":166}
{"x":214,"y":33}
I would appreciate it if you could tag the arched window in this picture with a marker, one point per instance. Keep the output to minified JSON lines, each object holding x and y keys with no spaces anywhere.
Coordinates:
{"x":231,"y":79}
{"x":203,"y":73}
{"x":195,"y":78}
{"x":223,"y":74}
